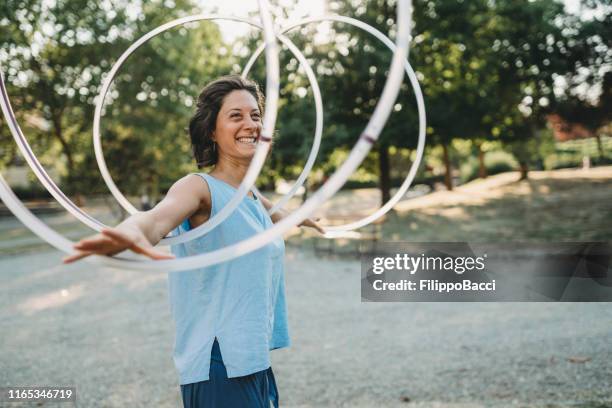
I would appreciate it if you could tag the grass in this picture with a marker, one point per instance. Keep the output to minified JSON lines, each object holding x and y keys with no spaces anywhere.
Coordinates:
{"x":560,"y":205}
{"x":533,"y":210}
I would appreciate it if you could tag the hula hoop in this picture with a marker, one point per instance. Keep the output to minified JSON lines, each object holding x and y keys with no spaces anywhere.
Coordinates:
{"x":256,"y":163}
{"x":314,"y":151}
{"x":238,"y":197}
{"x":332,"y":231}
{"x":357,"y":154}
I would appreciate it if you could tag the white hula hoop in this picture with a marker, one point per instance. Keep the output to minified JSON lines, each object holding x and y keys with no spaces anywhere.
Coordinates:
{"x":333,"y":231}
{"x":337,"y":230}
{"x":314,"y":151}
{"x":237,"y":198}
{"x":358,"y":153}
{"x":72,"y":208}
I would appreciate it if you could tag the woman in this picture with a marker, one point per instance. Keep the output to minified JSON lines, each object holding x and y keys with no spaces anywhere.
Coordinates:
{"x":228,"y":316}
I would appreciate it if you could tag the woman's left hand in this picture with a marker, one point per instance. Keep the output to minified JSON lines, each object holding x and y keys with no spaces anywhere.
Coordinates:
{"x":312,"y":223}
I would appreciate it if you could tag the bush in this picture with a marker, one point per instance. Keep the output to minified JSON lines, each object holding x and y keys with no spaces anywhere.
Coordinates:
{"x":33,"y":192}
{"x":565,"y":160}
{"x":601,"y":161}
{"x":354,"y":184}
{"x":495,"y":162}
{"x":562,"y":161}
{"x":395,"y":182}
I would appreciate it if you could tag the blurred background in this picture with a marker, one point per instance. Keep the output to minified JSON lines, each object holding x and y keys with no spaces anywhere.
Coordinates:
{"x":519,"y":148}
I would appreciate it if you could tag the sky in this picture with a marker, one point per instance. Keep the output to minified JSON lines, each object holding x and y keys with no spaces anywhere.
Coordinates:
{"x":302,"y":9}
{"x":242,"y":8}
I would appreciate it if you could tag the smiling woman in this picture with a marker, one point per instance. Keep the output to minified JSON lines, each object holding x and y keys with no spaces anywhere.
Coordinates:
{"x":227,"y":109}
{"x":228,"y":316}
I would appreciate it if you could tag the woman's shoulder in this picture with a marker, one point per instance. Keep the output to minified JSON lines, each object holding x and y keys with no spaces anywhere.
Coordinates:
{"x":194,"y":183}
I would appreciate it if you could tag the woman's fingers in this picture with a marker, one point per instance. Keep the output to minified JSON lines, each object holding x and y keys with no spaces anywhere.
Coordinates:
{"x":308,"y":222}
{"x":76,"y":257}
{"x":146,"y":250}
{"x":109,"y":242}
{"x":102,"y":245}
{"x":318,"y":228}
{"x":151,"y":252}
{"x":88,"y":243}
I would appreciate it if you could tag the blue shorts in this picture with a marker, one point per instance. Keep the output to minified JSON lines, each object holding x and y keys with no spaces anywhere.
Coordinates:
{"x":255,"y":390}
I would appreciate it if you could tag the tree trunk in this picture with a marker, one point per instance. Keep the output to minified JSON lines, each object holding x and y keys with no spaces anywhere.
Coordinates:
{"x":524,"y":169}
{"x":599,"y":146}
{"x":385,"y":173}
{"x":305,"y":195}
{"x":67,"y":150}
{"x":482,"y":169}
{"x":57,"y":128}
{"x":448,"y":172}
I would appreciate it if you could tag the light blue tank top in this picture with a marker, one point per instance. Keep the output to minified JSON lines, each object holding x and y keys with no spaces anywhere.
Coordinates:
{"x":241,"y":302}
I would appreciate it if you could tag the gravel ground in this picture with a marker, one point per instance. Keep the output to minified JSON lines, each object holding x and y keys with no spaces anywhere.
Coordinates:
{"x":110,"y":334}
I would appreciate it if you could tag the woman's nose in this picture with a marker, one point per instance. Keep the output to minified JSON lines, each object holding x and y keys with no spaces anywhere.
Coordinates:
{"x":252,"y":124}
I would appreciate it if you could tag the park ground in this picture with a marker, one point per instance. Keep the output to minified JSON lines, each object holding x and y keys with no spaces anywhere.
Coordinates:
{"x":110,"y":332}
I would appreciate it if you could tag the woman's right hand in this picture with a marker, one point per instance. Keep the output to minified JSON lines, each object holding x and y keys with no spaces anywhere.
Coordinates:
{"x":111,"y":241}
{"x":141,"y":230}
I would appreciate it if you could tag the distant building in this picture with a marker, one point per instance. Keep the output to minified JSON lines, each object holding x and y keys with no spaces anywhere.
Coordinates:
{"x":564,"y":131}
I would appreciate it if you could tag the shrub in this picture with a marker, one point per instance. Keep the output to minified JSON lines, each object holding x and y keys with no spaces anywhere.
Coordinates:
{"x":495,"y":162}
{"x":32,"y":192}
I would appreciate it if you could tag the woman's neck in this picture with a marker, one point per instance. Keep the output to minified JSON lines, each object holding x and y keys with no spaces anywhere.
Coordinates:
{"x":230,"y":170}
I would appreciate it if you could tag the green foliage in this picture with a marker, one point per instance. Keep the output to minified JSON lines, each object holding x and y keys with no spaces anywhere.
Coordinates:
{"x":58,"y":55}
{"x":34,"y":192}
{"x":146,"y":125}
{"x":487,"y":69}
{"x":495,"y":162}
{"x":572,"y":153}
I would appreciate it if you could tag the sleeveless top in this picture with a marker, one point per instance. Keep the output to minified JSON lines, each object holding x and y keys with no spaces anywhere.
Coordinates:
{"x":240,"y":302}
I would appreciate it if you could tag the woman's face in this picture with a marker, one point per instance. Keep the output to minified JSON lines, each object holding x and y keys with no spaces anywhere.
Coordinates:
{"x":238,"y":126}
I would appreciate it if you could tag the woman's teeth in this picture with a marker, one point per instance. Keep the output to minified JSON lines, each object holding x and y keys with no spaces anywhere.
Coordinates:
{"x":247,"y":140}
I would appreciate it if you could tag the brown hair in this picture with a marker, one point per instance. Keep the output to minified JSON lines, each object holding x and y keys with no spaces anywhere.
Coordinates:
{"x":202,"y":123}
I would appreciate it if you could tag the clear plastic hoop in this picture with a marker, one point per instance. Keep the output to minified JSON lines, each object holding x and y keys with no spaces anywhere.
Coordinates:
{"x":72,"y":208}
{"x":238,"y":197}
{"x":314,"y":151}
{"x":333,"y":231}
{"x":358,"y":153}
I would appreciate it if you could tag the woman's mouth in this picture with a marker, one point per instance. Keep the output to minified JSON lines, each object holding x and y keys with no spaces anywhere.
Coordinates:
{"x":247,"y":140}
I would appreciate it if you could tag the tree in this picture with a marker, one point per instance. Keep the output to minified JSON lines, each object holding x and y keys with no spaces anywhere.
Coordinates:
{"x":533,"y":44}
{"x":57,"y":55}
{"x":587,"y":100}
{"x":54,"y":63}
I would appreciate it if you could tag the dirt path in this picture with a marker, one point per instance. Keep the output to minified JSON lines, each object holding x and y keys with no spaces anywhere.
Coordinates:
{"x":110,"y":332}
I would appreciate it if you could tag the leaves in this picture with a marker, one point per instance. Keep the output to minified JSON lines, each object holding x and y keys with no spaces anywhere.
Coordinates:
{"x":490,"y":70}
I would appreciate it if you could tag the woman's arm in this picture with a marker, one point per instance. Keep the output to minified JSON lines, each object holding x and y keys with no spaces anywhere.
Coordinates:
{"x":141,"y":231}
{"x":280,"y":214}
